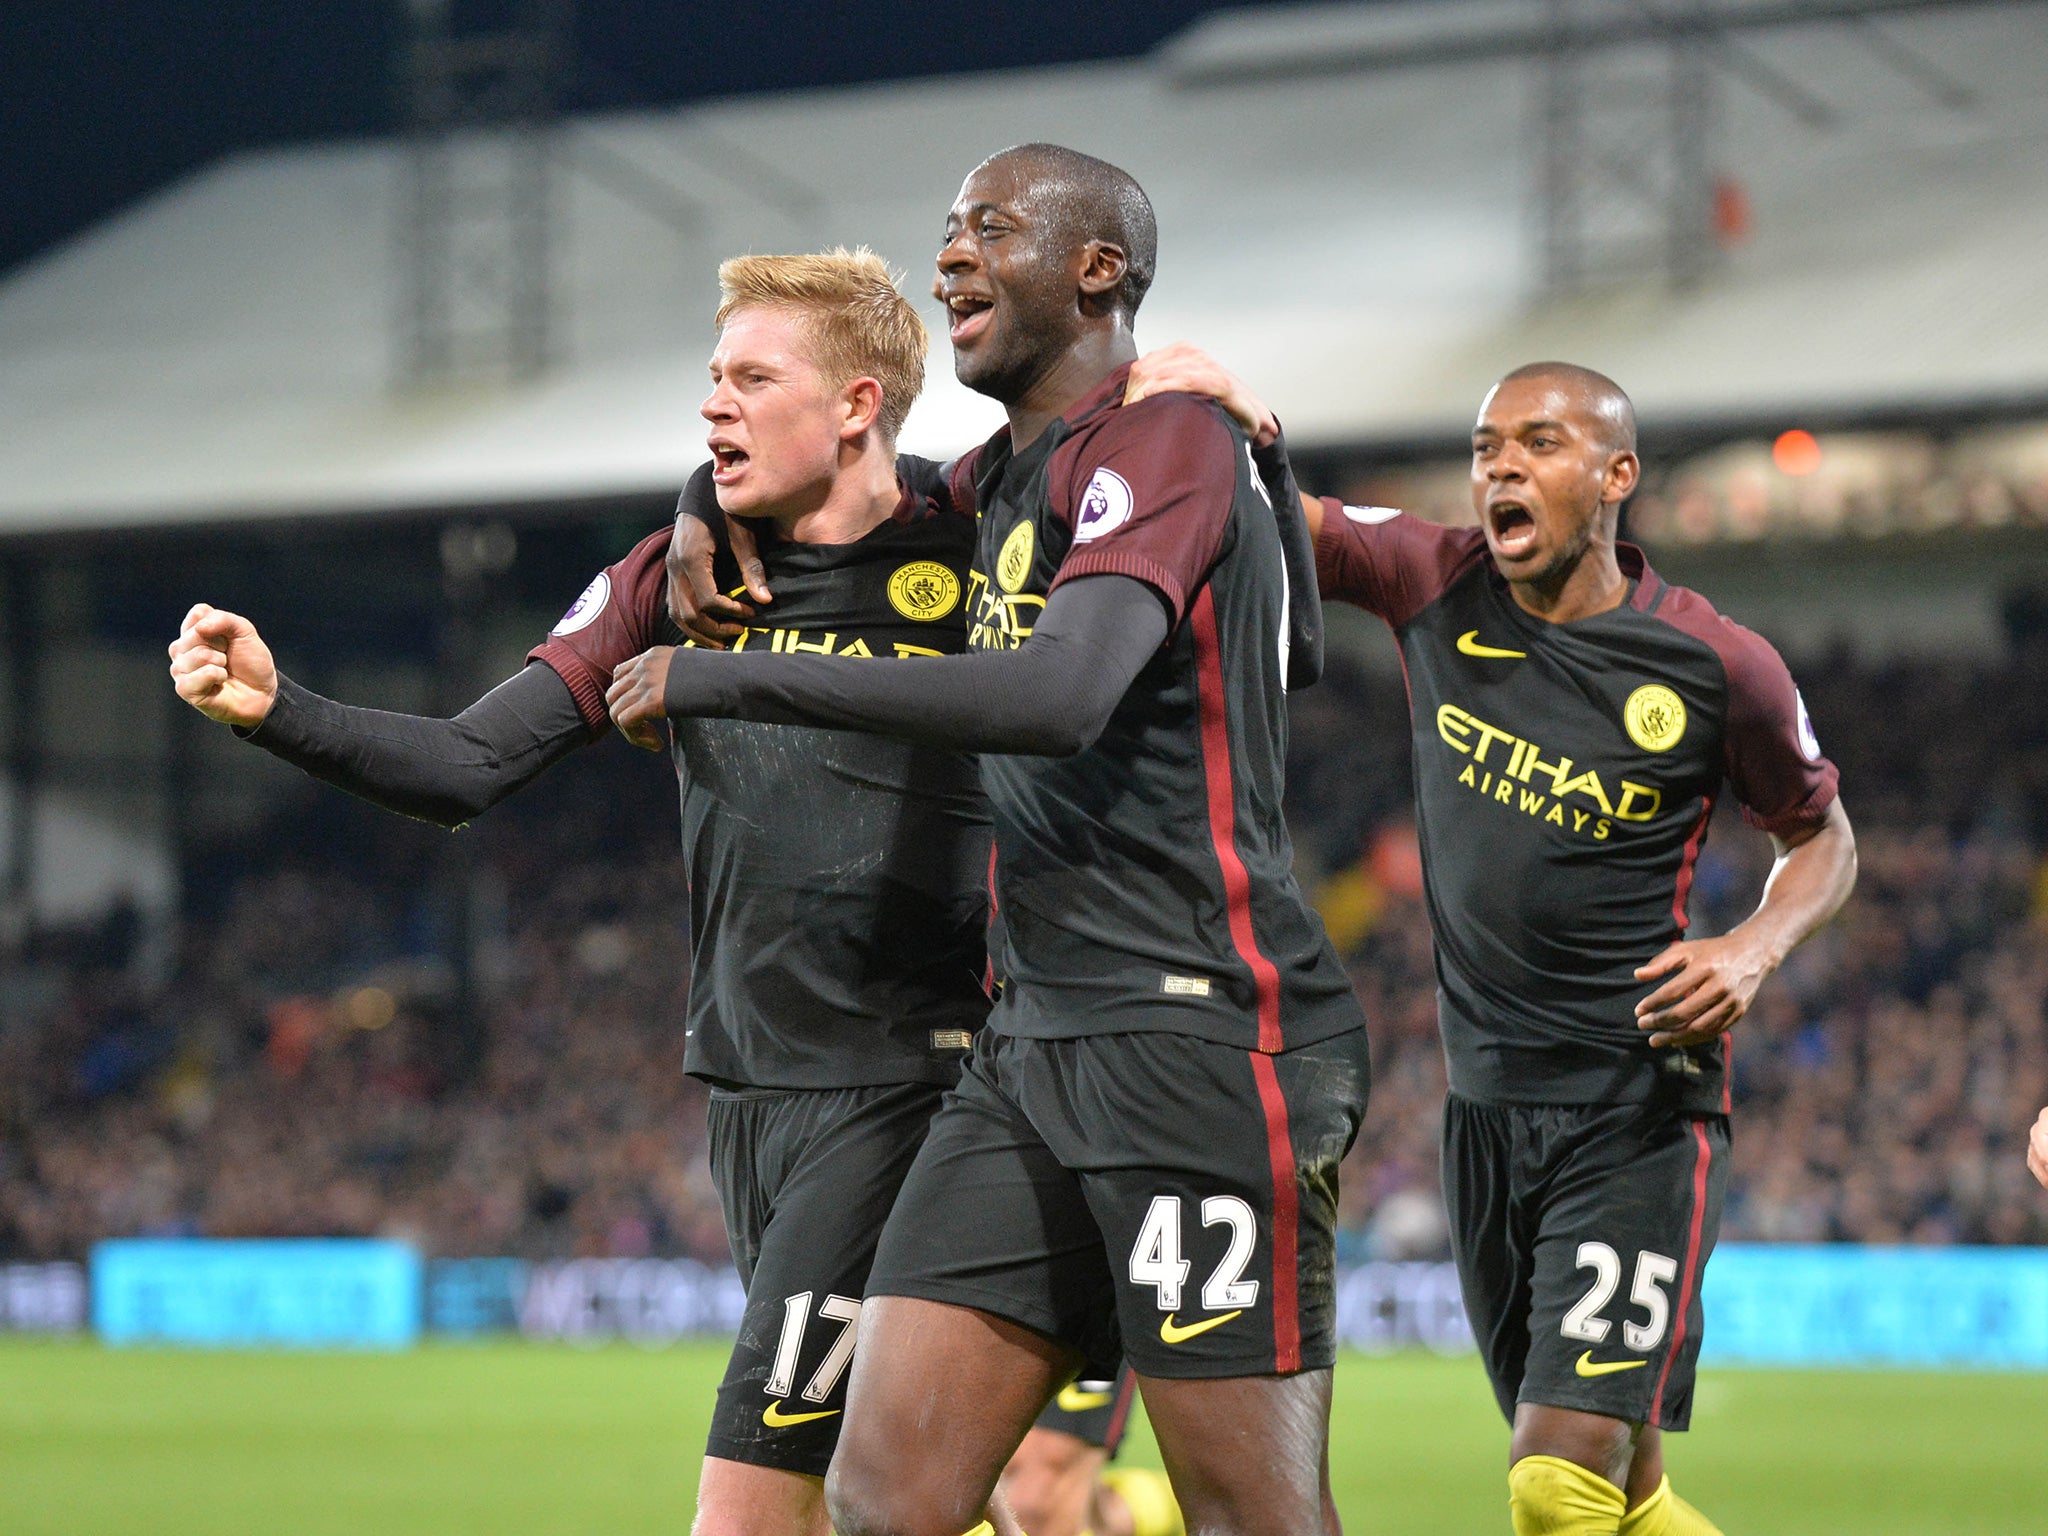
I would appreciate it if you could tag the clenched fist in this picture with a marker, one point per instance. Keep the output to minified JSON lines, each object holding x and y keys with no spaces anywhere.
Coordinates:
{"x":222,"y":668}
{"x":634,"y":697}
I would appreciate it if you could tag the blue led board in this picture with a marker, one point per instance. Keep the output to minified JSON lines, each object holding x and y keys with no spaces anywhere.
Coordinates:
{"x":1770,"y":1304}
{"x":300,"y":1293}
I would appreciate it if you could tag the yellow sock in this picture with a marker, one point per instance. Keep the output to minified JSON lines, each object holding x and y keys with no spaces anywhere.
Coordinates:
{"x":1664,"y":1513}
{"x":1549,"y":1496}
{"x":1149,"y":1497}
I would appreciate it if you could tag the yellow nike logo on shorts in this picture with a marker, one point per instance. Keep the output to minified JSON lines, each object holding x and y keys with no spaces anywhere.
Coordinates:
{"x":1585,"y":1367}
{"x":775,"y":1418}
{"x":1468,"y":644}
{"x":1073,"y":1400}
{"x":1172,"y":1333}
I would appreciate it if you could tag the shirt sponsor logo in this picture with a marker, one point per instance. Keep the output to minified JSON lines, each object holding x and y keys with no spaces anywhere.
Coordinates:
{"x":1105,"y":506}
{"x":1809,"y":744}
{"x":795,"y":642}
{"x":996,"y":620}
{"x":1372,"y":514}
{"x":584,"y":611}
{"x":924,"y":590}
{"x":1014,"y":563}
{"x":1514,"y":772}
{"x":1654,"y":717}
{"x":1184,"y":986}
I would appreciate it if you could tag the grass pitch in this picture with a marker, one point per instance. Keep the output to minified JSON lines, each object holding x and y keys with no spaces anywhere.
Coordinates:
{"x":508,"y":1439}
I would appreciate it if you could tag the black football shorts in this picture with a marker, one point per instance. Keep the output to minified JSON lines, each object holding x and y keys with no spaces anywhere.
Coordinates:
{"x":1093,"y":1411}
{"x":1582,"y":1233}
{"x":1147,"y":1195}
{"x":806,"y":1177}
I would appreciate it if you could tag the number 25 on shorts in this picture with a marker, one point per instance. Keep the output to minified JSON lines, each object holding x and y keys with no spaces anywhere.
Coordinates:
{"x":1653,"y":1272}
{"x":1156,"y":1261}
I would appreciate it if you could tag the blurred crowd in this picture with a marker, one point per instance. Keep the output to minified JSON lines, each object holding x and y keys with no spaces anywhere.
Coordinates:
{"x":300,"y":1055}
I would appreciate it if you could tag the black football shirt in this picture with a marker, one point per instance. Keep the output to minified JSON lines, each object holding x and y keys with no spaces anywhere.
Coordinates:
{"x":1564,"y":777}
{"x":1146,"y":883}
{"x":838,"y":881}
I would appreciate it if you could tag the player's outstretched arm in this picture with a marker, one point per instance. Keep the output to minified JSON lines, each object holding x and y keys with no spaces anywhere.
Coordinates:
{"x":1051,"y":697}
{"x":1708,"y":984}
{"x":443,"y":771}
{"x":2037,"y":1148}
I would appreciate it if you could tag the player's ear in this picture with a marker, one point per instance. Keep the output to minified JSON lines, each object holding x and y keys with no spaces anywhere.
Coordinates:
{"x":1103,"y":264}
{"x":1624,"y":472}
{"x":861,"y":407}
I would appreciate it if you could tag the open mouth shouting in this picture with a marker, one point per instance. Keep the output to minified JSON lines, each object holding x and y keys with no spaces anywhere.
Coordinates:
{"x":728,"y":460}
{"x":1511,"y":527}
{"x":968,"y":315}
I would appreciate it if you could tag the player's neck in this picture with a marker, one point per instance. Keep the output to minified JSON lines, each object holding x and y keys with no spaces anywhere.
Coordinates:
{"x":863,"y":495}
{"x":1077,"y":370}
{"x":1591,"y":584}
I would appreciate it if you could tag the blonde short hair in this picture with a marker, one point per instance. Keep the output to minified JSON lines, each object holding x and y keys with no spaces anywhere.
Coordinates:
{"x":861,"y":326}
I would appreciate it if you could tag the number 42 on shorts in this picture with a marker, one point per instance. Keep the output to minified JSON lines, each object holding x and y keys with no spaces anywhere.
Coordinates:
{"x":1156,"y":1261}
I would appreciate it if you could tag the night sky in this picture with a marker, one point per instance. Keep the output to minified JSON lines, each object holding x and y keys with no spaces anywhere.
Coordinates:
{"x":104,"y":101}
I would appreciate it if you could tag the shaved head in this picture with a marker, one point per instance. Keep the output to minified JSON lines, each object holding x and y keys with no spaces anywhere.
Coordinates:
{"x":1090,"y":199}
{"x":1603,"y":399}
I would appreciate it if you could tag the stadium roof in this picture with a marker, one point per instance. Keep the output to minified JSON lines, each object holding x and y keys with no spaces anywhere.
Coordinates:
{"x":1357,"y":244}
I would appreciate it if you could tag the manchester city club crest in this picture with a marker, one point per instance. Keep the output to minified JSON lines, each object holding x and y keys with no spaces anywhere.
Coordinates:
{"x":924,"y":590}
{"x":1654,"y":717}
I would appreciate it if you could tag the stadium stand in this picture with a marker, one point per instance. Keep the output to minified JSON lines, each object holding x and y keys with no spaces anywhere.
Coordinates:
{"x":288,"y":1061}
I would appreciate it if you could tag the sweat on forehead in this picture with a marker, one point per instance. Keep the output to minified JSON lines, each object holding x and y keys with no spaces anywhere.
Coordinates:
{"x":1597,"y":394}
{"x":1090,"y":199}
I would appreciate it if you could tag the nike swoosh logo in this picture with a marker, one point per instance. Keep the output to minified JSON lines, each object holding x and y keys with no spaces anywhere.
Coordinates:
{"x":1073,"y":1400}
{"x":1173,"y":1333}
{"x":775,"y":1418}
{"x":1468,"y":644}
{"x":1585,"y":1367}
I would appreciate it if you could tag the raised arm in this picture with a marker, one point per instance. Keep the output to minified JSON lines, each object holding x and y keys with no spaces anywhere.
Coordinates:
{"x":1050,"y":697}
{"x":443,"y":771}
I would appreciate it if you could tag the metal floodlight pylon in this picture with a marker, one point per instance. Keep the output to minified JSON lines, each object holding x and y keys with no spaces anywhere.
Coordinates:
{"x":475,"y":223}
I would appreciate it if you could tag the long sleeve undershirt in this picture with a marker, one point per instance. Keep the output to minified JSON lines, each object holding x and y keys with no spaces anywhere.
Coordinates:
{"x":443,"y":771}
{"x":1050,"y":697}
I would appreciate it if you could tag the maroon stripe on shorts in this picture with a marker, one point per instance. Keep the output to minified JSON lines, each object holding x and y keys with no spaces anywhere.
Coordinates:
{"x":1120,"y":1412}
{"x":1286,"y":1218}
{"x":1689,"y":1277}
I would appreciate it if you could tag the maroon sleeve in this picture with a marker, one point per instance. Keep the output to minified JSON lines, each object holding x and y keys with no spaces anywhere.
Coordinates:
{"x":960,"y":475}
{"x":1773,"y":760}
{"x":1387,"y":561}
{"x":617,"y":617}
{"x":1148,"y":494}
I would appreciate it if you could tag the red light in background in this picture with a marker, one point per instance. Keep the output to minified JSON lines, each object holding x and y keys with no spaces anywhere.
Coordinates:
{"x":1796,"y":452}
{"x":1733,"y":221}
